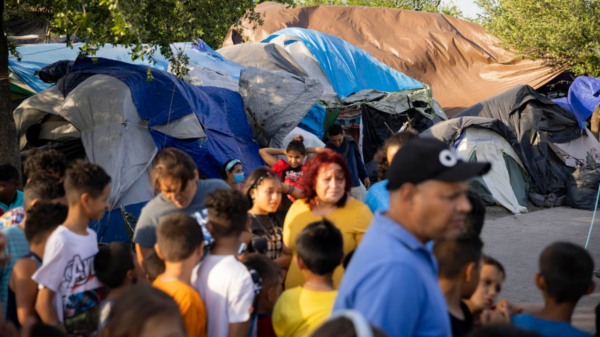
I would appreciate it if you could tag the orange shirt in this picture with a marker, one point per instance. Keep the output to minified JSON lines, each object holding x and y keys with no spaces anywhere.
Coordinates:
{"x":190,"y":304}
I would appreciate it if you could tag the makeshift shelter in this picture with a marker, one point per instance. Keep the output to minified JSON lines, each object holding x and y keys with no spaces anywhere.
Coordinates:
{"x":457,"y":59}
{"x":583,"y":98}
{"x":537,"y":122}
{"x":263,"y":56}
{"x":123,"y":120}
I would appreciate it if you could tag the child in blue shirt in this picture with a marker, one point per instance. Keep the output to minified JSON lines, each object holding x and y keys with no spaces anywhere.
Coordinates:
{"x":565,"y":276}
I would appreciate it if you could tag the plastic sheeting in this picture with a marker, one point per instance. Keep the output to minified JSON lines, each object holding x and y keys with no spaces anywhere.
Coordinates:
{"x":461,"y":62}
{"x":314,"y":120}
{"x":348,"y":68}
{"x":583,"y":98}
{"x":576,"y":151}
{"x":536,"y":121}
{"x":276,"y":102}
{"x":262,"y":55}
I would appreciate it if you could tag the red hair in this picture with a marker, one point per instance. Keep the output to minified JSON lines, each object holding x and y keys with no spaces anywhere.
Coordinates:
{"x":311,"y":172}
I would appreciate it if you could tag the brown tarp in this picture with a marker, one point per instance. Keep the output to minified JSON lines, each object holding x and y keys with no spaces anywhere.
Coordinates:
{"x":461,"y":63}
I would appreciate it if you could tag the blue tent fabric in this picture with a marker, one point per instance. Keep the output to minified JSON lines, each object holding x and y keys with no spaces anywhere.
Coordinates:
{"x":167,"y":98}
{"x":349,"y":69}
{"x":36,"y":57}
{"x":314,"y":121}
{"x":583,"y":98}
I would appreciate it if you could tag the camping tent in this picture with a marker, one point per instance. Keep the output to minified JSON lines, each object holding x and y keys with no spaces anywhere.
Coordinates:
{"x":124,"y":127}
{"x":459,"y":60}
{"x":489,"y":140}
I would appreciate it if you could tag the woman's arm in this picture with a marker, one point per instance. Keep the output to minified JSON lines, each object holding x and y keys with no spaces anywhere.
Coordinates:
{"x":268,"y":155}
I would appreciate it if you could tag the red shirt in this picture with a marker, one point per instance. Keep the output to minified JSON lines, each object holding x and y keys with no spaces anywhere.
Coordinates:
{"x":289,"y":175}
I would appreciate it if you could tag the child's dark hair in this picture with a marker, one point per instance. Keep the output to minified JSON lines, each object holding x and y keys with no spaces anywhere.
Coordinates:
{"x":177,"y":236}
{"x":173,"y":163}
{"x":567,"y":269}
{"x":490,"y":261}
{"x":224,"y":168}
{"x":42,"y":219}
{"x":268,"y":270}
{"x":342,"y":327}
{"x":454,"y":255}
{"x":153,"y":265}
{"x":9,"y":173}
{"x":112,"y":263}
{"x":256,"y":178}
{"x":43,"y":187}
{"x":46,"y":162}
{"x":397,"y":139}
{"x":82,"y":177}
{"x":227,"y":213}
{"x":335,"y":130}
{"x":136,"y":307}
{"x":297,"y":144}
{"x":503,"y":331}
{"x":476,"y":218}
{"x":320,"y":245}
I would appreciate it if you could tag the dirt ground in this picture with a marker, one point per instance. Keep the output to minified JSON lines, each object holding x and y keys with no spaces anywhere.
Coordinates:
{"x":518,"y":240}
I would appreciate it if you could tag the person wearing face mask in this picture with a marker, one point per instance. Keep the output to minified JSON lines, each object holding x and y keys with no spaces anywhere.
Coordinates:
{"x":326,"y":187}
{"x":175,"y":175}
{"x":233,"y":174}
{"x":263,"y":191}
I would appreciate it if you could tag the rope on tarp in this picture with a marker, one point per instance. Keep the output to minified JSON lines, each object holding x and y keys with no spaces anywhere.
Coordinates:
{"x":593,"y":218}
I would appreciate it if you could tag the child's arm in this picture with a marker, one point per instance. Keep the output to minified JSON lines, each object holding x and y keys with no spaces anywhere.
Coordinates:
{"x":45,"y":309}
{"x":315,"y":149}
{"x":25,"y":288}
{"x":285,"y":259}
{"x":141,"y":252}
{"x":239,"y":329}
{"x":295,"y":192}
{"x":268,"y":155}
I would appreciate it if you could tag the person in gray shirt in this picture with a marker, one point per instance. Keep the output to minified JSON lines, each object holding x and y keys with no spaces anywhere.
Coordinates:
{"x":175,"y":175}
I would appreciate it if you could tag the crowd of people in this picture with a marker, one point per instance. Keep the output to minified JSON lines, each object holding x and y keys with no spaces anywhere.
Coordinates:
{"x":289,"y":251}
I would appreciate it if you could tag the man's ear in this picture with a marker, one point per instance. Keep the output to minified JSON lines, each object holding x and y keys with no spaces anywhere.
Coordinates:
{"x":34,"y":201}
{"x":540,"y":282}
{"x":407,"y":192}
{"x":468,"y":271}
{"x":158,"y":252}
{"x":591,"y":288}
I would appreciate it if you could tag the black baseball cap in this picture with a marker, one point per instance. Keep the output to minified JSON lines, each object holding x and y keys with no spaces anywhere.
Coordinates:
{"x":424,"y":159}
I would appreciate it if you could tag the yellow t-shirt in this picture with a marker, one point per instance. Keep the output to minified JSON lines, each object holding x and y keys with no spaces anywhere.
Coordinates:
{"x":190,"y":304}
{"x":299,"y":311}
{"x":352,"y":220}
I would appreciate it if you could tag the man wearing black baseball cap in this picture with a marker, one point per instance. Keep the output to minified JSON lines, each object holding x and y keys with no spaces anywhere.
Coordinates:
{"x":392,"y":279}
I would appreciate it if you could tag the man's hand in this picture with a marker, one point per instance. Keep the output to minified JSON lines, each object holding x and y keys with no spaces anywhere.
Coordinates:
{"x":367,"y":183}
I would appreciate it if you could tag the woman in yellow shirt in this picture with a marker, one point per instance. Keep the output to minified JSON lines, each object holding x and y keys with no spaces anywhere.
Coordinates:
{"x":326,"y":185}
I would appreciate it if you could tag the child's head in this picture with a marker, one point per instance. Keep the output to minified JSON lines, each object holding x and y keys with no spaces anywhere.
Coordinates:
{"x":384,"y":156}
{"x":460,"y":261}
{"x":566,"y":272}
{"x":347,"y":323}
{"x":42,"y":220}
{"x":144,"y":311}
{"x":50,"y":162}
{"x":179,"y":238}
{"x":232,"y":171}
{"x":296,"y":152}
{"x":227,"y":214}
{"x":475,"y":219}
{"x":175,"y":174}
{"x":153,"y":266}
{"x":336,"y":135}
{"x":491,"y":278}
{"x":9,"y":183}
{"x":43,"y":188}
{"x":114,"y":265}
{"x":272,"y":282}
{"x":320,"y":248}
{"x":88,"y":186}
{"x":263,"y":190}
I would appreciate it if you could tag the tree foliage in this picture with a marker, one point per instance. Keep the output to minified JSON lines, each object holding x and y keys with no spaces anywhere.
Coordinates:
{"x":566,"y":33}
{"x":432,"y":6}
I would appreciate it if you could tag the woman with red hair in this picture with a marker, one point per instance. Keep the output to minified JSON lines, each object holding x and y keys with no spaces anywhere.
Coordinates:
{"x":326,"y":185}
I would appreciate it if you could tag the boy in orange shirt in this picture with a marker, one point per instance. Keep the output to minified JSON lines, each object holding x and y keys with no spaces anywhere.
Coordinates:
{"x":180,"y":243}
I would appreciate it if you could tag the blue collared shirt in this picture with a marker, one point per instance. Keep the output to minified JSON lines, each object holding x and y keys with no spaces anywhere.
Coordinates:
{"x":378,"y":197}
{"x":392,"y":281}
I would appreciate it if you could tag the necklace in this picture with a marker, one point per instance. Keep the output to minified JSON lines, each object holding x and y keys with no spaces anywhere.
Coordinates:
{"x":274,"y":236}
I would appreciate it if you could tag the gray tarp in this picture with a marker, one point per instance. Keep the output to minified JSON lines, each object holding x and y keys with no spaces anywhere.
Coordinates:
{"x":267,"y":56}
{"x":276,"y":102}
{"x":536,"y":121}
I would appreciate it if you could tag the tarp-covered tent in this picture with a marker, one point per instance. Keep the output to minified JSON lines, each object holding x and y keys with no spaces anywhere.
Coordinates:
{"x":123,"y":120}
{"x":262,"y":55}
{"x":489,"y":140}
{"x":537,"y":122}
{"x":583,"y":98}
{"x":463,"y":64}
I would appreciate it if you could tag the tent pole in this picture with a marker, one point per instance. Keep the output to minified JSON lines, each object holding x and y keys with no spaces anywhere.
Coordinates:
{"x":593,"y":218}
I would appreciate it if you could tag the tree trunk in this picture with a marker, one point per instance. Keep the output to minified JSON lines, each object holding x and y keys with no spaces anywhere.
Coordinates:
{"x":595,"y":122}
{"x":9,"y":146}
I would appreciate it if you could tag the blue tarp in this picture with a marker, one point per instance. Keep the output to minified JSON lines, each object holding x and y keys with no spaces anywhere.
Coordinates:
{"x":35,"y":57}
{"x":314,"y":121}
{"x":583,"y":98}
{"x":349,"y":69}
